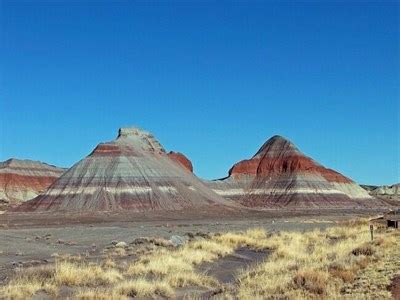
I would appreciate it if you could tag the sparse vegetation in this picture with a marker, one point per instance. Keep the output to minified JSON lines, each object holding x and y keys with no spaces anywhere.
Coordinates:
{"x":315,"y":264}
{"x":29,"y":281}
{"x":318,"y":263}
{"x":73,"y":274}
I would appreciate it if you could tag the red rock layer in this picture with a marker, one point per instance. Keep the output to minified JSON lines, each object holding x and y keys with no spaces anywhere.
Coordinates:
{"x":267,"y":166}
{"x":278,"y":156}
{"x":279,"y":175}
{"x":181,"y":159}
{"x":21,"y":180}
{"x":133,"y":173}
{"x":38,"y":183}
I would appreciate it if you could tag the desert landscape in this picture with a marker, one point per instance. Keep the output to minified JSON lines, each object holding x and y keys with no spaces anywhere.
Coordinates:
{"x":169,"y":149}
{"x":132,"y":220}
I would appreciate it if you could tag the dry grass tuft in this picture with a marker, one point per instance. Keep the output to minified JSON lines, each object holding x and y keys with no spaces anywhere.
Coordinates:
{"x":253,"y":238}
{"x":365,"y":249}
{"x":29,"y":281}
{"x":109,"y":263}
{"x":312,"y":281}
{"x":345,"y":275}
{"x":143,"y":288}
{"x":98,"y":294}
{"x":71,"y":274}
{"x":177,"y":267}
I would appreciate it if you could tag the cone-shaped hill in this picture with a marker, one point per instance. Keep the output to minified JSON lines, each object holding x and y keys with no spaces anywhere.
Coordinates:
{"x":132,"y":172}
{"x":280,"y":175}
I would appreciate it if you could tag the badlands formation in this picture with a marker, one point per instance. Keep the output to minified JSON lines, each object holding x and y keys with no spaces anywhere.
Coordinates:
{"x":279,"y":175}
{"x":387,"y":192}
{"x":132,"y":172}
{"x":22,"y":180}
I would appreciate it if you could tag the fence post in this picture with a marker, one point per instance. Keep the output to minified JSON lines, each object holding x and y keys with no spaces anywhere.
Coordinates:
{"x":371,"y":229}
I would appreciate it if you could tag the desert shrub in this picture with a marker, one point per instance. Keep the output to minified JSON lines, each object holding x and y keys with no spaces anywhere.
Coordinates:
{"x":142,"y":287}
{"x":345,"y":275}
{"x":41,"y":273}
{"x":98,"y":294}
{"x":29,"y":281}
{"x":312,"y":281}
{"x":71,"y":274}
{"x":365,"y":249}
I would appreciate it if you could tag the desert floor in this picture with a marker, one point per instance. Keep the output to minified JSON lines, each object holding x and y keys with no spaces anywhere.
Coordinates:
{"x":37,"y":240}
{"x":27,"y":240}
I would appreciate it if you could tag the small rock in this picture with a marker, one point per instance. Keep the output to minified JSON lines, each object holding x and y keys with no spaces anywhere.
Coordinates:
{"x":121,"y":245}
{"x":178,"y":240}
{"x":162,"y":242}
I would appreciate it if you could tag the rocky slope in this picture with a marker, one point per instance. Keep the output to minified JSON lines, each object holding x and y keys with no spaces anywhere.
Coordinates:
{"x":21,"y":180}
{"x":280,"y":175}
{"x":181,"y":160}
{"x":132,"y":172}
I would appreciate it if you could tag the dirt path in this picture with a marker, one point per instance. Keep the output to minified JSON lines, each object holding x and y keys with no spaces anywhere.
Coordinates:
{"x":226,"y":268}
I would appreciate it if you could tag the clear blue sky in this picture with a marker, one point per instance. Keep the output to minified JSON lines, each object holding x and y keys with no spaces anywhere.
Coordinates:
{"x":213,"y":81}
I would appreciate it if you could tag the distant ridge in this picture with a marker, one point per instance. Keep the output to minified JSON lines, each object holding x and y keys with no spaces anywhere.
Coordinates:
{"x":22,"y":180}
{"x":387,"y":192}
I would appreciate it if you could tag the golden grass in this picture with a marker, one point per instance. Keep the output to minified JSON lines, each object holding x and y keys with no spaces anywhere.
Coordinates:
{"x":253,"y":238}
{"x":312,"y":265}
{"x":71,"y":274}
{"x":177,"y":267}
{"x":142,"y":287}
{"x":98,"y":294}
{"x":48,"y":279}
{"x":128,"y":289}
{"x":316,"y":263}
{"x":27,"y":282}
{"x":377,"y":275}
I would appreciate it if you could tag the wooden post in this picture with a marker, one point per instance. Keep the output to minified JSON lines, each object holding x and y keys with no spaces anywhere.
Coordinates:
{"x":371,"y":228}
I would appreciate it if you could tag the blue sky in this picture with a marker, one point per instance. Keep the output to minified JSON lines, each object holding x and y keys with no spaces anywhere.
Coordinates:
{"x":213,"y":81}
